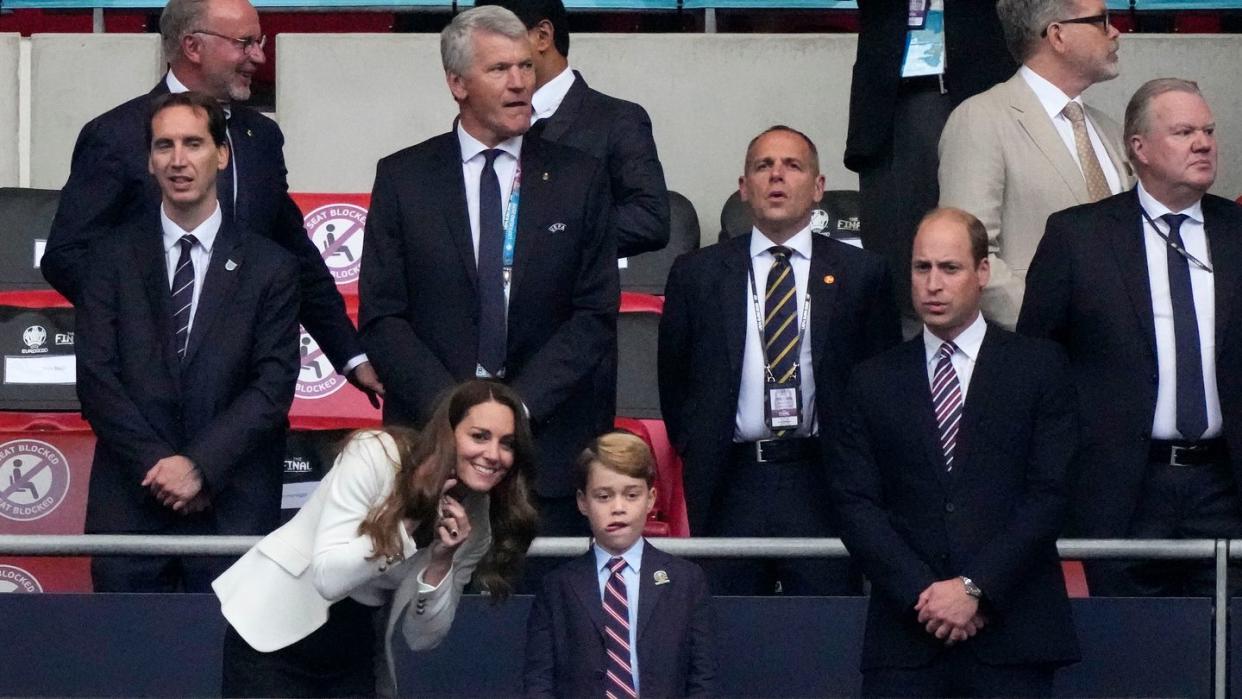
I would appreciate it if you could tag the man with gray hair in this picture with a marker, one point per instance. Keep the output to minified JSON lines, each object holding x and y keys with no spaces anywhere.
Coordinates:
{"x":213,"y":47}
{"x":1028,"y":147}
{"x":488,"y":255}
{"x":1141,"y":289}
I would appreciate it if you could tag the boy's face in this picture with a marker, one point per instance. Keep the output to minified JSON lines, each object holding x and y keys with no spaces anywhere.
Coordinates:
{"x":616,"y":506}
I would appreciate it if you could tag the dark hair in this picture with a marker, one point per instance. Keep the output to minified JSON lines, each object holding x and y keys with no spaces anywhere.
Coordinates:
{"x":622,"y":452}
{"x":196,"y":101}
{"x":974,"y":228}
{"x":787,"y":129}
{"x":427,"y":459}
{"x":532,"y":12}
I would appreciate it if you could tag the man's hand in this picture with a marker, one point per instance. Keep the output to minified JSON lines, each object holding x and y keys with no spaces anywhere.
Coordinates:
{"x":948,"y":613}
{"x":366,"y":380}
{"x":175,"y":482}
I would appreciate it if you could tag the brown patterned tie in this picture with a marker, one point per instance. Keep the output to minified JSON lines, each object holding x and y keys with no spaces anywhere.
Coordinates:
{"x":1097,"y":183}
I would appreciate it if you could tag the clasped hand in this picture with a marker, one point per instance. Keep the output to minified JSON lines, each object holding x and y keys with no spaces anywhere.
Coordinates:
{"x":176,"y":483}
{"x":948,"y":613}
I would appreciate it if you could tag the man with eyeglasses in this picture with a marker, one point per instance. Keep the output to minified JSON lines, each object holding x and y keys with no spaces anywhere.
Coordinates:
{"x":213,"y":47}
{"x":1142,"y":289}
{"x":1028,"y":147}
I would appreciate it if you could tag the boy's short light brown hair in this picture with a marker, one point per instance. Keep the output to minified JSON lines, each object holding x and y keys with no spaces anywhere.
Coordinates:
{"x":622,"y":452}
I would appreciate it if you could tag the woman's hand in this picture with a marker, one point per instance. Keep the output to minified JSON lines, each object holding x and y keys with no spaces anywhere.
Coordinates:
{"x":452,"y":529}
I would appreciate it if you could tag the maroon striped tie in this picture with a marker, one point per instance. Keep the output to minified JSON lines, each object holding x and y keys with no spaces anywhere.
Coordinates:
{"x":620,"y":677}
{"x":947,"y":401}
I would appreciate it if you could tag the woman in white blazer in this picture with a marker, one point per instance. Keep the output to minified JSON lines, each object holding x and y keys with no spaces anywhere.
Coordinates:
{"x":401,"y":522}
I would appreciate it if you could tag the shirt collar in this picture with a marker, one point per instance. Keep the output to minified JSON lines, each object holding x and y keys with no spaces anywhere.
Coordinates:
{"x":1155,"y":209}
{"x":968,"y":342}
{"x":1049,"y":95}
{"x":175,"y":86}
{"x":548,"y":98}
{"x":471,"y":146}
{"x":633,"y":556}
{"x":205,"y":232}
{"x":799,"y":243}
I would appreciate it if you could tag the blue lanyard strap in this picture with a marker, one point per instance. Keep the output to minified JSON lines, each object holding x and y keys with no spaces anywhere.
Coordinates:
{"x":510,"y":222}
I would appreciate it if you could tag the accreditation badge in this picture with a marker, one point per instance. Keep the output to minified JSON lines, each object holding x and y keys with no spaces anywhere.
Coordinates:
{"x":782,"y":406}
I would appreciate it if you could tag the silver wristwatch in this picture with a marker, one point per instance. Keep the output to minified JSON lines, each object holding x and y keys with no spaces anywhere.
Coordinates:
{"x":971,"y":588}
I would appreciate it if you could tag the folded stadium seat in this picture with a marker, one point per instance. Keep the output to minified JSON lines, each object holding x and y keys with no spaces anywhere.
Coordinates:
{"x":647,"y":273}
{"x":38,"y":371}
{"x":655,"y":525}
{"x":836,"y":216}
{"x":638,"y":398}
{"x":1075,"y":579}
{"x":27,"y":215}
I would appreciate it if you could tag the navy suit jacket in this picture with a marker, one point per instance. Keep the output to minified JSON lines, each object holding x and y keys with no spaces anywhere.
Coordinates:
{"x":109,"y":187}
{"x":703,"y":337}
{"x":994,"y":518}
{"x":618,"y":134}
{"x":419,"y":299}
{"x":676,"y":648}
{"x":224,"y":405}
{"x":1088,"y":288}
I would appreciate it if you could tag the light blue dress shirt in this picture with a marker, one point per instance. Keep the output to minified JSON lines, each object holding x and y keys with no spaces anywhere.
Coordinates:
{"x":633,"y":564}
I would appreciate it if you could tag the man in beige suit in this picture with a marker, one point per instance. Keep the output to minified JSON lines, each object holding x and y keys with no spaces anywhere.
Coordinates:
{"x":1029,"y":147}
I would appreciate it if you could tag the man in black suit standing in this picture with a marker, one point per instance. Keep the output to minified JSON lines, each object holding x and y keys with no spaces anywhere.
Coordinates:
{"x":951,"y":498}
{"x":488,"y":255}
{"x":187,"y":358}
{"x":618,"y":133}
{"x":1141,"y":289}
{"x":757,"y":338}
{"x":898,"y":107}
{"x":212,"y":47}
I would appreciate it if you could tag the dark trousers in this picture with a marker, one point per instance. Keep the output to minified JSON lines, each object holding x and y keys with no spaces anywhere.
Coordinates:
{"x":956,"y":672}
{"x":161,"y":573}
{"x":776,"y":500}
{"x":337,"y":660}
{"x":896,"y":189}
{"x":1178,"y":502}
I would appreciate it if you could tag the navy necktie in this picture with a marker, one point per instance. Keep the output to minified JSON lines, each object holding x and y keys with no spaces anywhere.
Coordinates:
{"x":1191,"y":400}
{"x":183,"y":293}
{"x":780,"y":324}
{"x":619,"y":674}
{"x":492,"y":331}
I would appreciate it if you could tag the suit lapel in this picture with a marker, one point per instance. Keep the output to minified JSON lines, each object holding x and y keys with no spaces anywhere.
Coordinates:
{"x":223,"y":273}
{"x":585,"y":584}
{"x":649,"y":593}
{"x":567,"y":113}
{"x":1030,"y":115}
{"x":535,"y":191}
{"x":823,"y":295}
{"x":733,"y":294}
{"x":988,"y":367}
{"x":240,"y":135}
{"x":1226,"y":252}
{"x":1130,"y":253}
{"x":456,"y":215}
{"x":923,"y":415}
{"x":148,"y":247}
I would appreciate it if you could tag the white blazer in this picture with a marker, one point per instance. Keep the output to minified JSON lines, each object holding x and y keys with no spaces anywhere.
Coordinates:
{"x":279,"y":592}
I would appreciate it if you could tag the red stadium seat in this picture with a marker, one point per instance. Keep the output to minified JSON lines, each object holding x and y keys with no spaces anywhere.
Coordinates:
{"x":1075,"y":579}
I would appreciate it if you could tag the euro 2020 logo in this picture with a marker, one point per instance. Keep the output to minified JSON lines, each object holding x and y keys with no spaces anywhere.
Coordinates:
{"x":336,"y":229}
{"x":34,"y":479}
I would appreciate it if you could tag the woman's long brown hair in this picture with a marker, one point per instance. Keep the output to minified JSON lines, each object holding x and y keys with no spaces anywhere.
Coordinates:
{"x":429,"y":457}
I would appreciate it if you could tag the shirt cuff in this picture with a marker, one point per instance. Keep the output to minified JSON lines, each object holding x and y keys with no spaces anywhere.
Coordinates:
{"x":353,"y":363}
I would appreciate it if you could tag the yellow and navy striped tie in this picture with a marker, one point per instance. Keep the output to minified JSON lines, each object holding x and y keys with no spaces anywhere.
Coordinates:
{"x":780,"y":322}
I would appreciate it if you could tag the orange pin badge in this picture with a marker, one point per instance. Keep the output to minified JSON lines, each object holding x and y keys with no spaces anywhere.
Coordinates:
{"x":829,"y":279}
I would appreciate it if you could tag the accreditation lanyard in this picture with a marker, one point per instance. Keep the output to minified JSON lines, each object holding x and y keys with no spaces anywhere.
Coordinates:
{"x":510,"y":226}
{"x":1179,"y":249}
{"x":782,"y":404}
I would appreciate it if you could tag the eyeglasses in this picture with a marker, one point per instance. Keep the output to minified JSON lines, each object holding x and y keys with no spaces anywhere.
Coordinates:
{"x":245,"y":44}
{"x":1100,"y":19}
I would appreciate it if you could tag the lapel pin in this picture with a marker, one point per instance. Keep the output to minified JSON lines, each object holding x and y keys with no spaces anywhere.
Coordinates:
{"x":830,"y":279}
{"x":230,"y":265}
{"x":661,"y":578}
{"x":249,"y":133}
{"x":545,"y":177}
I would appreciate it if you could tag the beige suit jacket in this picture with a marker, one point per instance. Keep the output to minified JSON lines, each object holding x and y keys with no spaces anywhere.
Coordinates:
{"x":1002,"y":160}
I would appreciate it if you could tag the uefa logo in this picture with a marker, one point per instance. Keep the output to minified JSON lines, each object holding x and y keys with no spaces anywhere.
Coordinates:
{"x":336,"y":230}
{"x":820,"y":222}
{"x":34,"y":479}
{"x":316,"y":377}
{"x":14,"y":579}
{"x":35,"y":337}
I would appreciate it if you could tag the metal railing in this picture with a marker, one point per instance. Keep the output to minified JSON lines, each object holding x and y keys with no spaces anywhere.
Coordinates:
{"x":1221,"y":551}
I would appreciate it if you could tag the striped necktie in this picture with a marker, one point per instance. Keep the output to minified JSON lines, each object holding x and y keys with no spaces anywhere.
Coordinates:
{"x":947,"y":402}
{"x":619,"y":676}
{"x":780,"y":327}
{"x":183,"y":293}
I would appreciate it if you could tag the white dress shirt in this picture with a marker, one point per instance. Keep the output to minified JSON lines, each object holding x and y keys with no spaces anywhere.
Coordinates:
{"x":1194,"y":239}
{"x":1054,"y":101}
{"x":750,"y":425}
{"x":200,"y":253}
{"x":630,"y":574}
{"x":472,"y":161}
{"x":548,"y":98}
{"x":968,"y":343}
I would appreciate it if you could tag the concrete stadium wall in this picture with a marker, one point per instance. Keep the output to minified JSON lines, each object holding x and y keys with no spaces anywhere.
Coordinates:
{"x":346,"y":100}
{"x":10,"y":109}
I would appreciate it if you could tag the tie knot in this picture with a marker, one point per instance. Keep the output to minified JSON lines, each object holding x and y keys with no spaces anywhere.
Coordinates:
{"x":947,"y":349}
{"x":616,"y":564}
{"x":1175,"y":222}
{"x":490,"y":155}
{"x":780,"y":252}
{"x":1073,"y":112}
{"x":188,"y":241}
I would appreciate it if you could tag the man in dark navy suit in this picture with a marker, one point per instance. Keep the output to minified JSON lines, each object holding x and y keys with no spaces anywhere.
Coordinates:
{"x":951,"y":489}
{"x":488,"y":255}
{"x":187,"y":357}
{"x":212,"y":47}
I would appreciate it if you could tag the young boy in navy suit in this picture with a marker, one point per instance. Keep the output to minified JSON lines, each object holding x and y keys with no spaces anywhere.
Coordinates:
{"x":625,"y":618}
